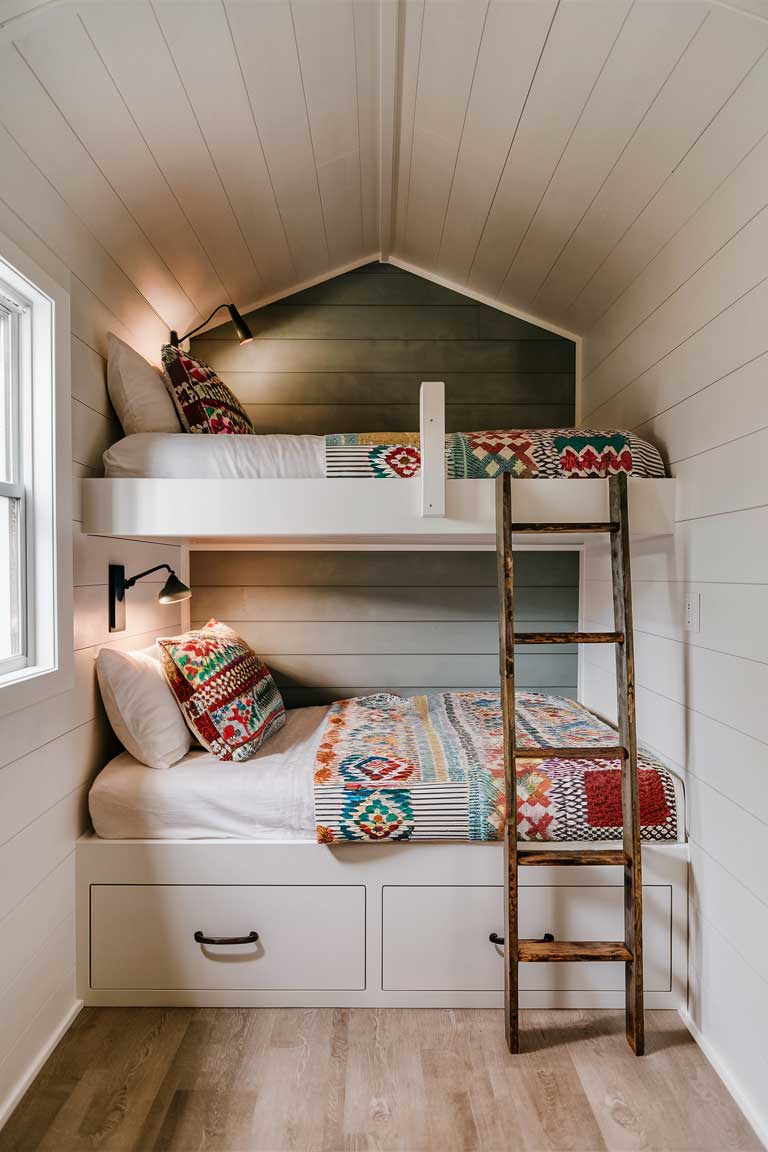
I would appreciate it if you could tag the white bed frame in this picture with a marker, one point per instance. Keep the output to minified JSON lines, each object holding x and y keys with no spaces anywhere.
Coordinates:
{"x":400,"y":925}
{"x":423,"y":512}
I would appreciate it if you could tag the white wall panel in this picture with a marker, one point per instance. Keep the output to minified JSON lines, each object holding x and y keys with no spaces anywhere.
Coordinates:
{"x":646,"y":51}
{"x":714,"y":64}
{"x":450,"y":42}
{"x":733,"y":133}
{"x":196,"y":32}
{"x":578,"y":45}
{"x":51,"y":751}
{"x":270,"y":65}
{"x":131,"y":44}
{"x":325,"y":35}
{"x":513,"y":40}
{"x":680,"y":355}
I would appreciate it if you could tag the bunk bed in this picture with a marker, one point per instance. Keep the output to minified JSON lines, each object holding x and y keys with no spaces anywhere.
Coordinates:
{"x":426,"y":510}
{"x":336,"y":924}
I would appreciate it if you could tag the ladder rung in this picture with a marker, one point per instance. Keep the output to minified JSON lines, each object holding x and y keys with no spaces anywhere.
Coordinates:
{"x":614,"y":753}
{"x":572,"y":856}
{"x":569,"y":637}
{"x":610,"y":526}
{"x":558,"y":951}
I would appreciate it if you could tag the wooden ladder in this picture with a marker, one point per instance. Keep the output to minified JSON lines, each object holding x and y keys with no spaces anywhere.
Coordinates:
{"x":630,"y":949}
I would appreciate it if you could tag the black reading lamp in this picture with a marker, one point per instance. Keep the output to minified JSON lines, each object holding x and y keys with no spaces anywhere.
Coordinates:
{"x":244,"y":333}
{"x":171,"y":592}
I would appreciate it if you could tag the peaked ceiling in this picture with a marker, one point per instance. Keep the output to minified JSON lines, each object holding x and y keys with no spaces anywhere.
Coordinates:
{"x":535,"y":153}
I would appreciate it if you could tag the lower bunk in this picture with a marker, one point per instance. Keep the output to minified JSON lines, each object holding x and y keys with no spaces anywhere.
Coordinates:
{"x":206,"y":885}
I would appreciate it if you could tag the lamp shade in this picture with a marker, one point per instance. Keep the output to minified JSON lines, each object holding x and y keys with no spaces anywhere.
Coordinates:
{"x":244,"y":333}
{"x":173,"y":591}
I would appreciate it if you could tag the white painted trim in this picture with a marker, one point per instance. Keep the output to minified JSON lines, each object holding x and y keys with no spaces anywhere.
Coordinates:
{"x":20,"y":24}
{"x":8,"y":1105}
{"x":360,"y":511}
{"x":745,"y":1104}
{"x":389,"y":119}
{"x":578,"y":395}
{"x":744,"y":8}
{"x":582,"y":603}
{"x":462,"y":289}
{"x":184,"y":576}
{"x":432,"y":439}
{"x":50,"y":452}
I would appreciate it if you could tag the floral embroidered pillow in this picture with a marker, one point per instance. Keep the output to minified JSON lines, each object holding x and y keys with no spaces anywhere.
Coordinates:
{"x":226,"y":693}
{"x":203,"y":401}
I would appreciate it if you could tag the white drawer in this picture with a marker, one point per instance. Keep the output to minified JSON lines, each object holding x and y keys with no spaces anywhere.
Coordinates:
{"x":436,"y":937}
{"x":310,"y":937}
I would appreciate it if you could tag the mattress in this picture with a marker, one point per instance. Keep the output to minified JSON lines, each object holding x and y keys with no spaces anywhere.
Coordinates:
{"x":267,"y":798}
{"x":527,"y":454}
{"x":179,"y":456}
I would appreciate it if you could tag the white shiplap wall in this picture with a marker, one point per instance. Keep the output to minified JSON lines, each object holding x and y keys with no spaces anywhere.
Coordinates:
{"x":680,"y":354}
{"x":49,"y":752}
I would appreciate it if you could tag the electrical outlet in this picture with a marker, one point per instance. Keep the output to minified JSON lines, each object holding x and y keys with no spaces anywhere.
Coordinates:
{"x":692,"y":612}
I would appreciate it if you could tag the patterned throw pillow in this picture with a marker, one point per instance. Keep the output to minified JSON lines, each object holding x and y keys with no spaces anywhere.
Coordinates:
{"x":203,"y":401}
{"x":226,"y":694}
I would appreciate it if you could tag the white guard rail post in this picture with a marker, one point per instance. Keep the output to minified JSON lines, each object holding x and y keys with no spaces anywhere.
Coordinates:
{"x":432,"y":420}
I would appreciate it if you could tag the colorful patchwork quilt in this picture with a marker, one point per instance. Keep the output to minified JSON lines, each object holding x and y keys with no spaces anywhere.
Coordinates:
{"x":527,"y":453}
{"x":432,"y":768}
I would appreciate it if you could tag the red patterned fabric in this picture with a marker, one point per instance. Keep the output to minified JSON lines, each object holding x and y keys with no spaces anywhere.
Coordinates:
{"x":603,"y":790}
{"x":203,"y":401}
{"x":226,"y":694}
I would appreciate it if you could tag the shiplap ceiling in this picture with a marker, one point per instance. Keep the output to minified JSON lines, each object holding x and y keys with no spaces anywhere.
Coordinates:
{"x":535,"y":153}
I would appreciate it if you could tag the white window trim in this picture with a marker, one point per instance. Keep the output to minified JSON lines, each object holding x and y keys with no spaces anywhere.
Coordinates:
{"x":46,"y":456}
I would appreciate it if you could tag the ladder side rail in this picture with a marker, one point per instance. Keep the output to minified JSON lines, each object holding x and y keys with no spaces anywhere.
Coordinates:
{"x":507,"y":672}
{"x":627,"y":726}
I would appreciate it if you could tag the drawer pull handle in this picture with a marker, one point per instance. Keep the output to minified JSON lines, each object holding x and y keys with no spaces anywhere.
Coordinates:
{"x":251,"y":938}
{"x":496,"y":939}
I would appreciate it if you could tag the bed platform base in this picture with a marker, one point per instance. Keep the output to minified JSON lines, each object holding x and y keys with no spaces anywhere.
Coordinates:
{"x":425,"y":511}
{"x":399,"y":925}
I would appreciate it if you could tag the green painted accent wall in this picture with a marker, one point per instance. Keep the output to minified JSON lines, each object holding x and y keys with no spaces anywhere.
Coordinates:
{"x":350,"y":355}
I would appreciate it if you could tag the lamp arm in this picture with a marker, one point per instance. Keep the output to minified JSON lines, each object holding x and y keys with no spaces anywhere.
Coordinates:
{"x":130,"y":583}
{"x":193,"y":330}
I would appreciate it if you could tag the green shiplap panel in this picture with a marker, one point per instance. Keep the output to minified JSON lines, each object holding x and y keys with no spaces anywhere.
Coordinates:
{"x":378,"y":637}
{"x":382,"y":570}
{"x":331,"y":388}
{"x":307,"y":697}
{"x":286,"y":321}
{"x":350,"y":355}
{"x":427,"y":356}
{"x":316,"y":420}
{"x":438,"y":669}
{"x":358,"y":602}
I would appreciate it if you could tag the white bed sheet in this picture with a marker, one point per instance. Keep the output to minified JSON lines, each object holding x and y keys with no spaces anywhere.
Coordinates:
{"x":267,"y":798}
{"x":166,"y":455}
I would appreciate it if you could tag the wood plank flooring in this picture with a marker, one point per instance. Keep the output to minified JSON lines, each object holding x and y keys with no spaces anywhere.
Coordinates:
{"x":336,"y":1079}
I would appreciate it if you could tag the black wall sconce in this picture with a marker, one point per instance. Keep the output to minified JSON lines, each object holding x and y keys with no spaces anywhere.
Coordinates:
{"x":244,"y":333}
{"x":171,"y":592}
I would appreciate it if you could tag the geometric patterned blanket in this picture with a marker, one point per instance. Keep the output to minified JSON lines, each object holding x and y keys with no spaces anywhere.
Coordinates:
{"x":526,"y":453}
{"x":432,"y":768}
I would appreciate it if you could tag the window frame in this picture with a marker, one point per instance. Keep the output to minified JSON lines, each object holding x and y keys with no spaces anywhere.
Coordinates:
{"x":14,"y":317}
{"x":41,"y":478}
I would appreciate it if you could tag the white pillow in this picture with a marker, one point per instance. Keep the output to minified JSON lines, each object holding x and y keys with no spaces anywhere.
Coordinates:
{"x":137,"y":391}
{"x":141,"y":707}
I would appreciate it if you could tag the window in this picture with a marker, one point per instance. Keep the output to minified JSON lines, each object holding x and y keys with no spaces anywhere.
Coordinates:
{"x":13,"y":560}
{"x":35,"y":483}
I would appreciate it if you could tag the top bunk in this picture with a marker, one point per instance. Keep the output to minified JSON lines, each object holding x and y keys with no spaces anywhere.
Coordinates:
{"x":305,"y":492}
